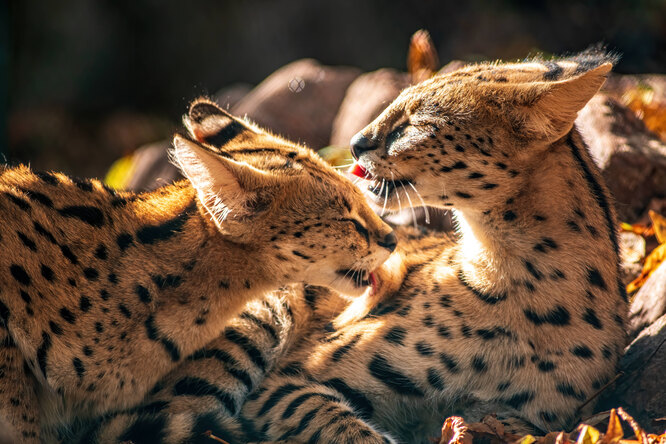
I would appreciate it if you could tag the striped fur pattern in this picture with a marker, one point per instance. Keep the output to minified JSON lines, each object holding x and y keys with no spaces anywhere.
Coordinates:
{"x":521,"y":315}
{"x":102,"y":294}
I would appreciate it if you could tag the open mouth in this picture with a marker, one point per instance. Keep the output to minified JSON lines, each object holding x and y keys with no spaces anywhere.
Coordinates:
{"x":379,"y":187}
{"x":360,"y":278}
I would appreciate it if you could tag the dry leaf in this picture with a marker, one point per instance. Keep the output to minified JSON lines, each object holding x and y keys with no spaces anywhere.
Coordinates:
{"x":658,"y":226}
{"x":454,"y":431}
{"x":614,"y":432}
{"x":638,"y":431}
{"x":642,"y":101}
{"x":422,"y":60}
{"x":588,"y":435}
{"x":654,"y":259}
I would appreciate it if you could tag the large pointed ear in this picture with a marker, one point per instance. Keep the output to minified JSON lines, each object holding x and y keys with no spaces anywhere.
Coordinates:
{"x":553,"y":107}
{"x":210,"y":124}
{"x":225,"y":187}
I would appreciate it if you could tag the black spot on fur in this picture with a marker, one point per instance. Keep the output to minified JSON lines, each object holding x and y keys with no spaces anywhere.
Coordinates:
{"x":156,"y":233}
{"x":509,"y":216}
{"x":557,"y":316}
{"x":124,"y":310}
{"x":518,"y":400}
{"x":84,"y":304}
{"x":391,"y":377}
{"x":590,"y":316}
{"x":101,"y":252}
{"x":143,"y":293}
{"x":479,"y":364}
{"x":435,"y":379}
{"x":67,"y":315}
{"x":594,"y":277}
{"x":424,"y":349}
{"x":67,"y":252}
{"x":91,"y":274}
{"x":78,"y":367}
{"x":19,"y":273}
{"x":27,"y":241}
{"x":43,"y":351}
{"x":18,"y":201}
{"x":582,"y":351}
{"x":55,"y":328}
{"x":48,"y":178}
{"x":124,"y":240}
{"x":546,"y":366}
{"x":90,"y":215}
{"x":396,"y":335}
{"x":569,"y":391}
{"x":450,"y":363}
{"x":47,"y":273}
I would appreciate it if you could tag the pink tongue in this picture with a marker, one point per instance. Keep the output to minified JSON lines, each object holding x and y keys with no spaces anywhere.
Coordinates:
{"x":373,"y":282}
{"x":358,"y":170}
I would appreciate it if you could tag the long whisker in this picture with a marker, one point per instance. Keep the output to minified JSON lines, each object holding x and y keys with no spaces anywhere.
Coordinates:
{"x":427,"y":214}
{"x":385,"y":197}
{"x":411,"y":206}
{"x":397,"y":193}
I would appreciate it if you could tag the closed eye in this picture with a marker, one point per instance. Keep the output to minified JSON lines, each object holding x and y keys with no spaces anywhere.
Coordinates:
{"x":359,"y":227}
{"x":395,"y":135}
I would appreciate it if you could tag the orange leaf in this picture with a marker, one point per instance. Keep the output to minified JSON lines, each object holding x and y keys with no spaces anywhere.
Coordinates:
{"x":654,"y":259}
{"x":614,"y":432}
{"x":659,"y":226}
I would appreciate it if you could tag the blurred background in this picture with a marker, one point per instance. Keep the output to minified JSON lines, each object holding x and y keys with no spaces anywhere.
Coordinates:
{"x":85,"y":82}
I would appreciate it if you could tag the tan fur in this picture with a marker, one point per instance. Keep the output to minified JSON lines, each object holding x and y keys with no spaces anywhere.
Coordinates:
{"x":521,"y":314}
{"x":103,"y":293}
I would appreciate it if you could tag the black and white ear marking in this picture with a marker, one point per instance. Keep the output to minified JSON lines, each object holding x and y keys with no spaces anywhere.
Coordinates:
{"x":210,"y":124}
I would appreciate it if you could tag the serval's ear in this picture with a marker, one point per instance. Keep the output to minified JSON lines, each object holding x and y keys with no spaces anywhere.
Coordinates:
{"x":208,"y":123}
{"x":547,"y":110}
{"x":224,"y":186}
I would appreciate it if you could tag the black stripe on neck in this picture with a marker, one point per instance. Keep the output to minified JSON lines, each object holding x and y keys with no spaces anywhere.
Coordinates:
{"x":602,"y":200}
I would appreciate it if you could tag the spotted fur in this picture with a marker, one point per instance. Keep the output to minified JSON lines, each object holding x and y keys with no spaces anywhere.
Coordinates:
{"x":522,"y":314}
{"x":103,"y":293}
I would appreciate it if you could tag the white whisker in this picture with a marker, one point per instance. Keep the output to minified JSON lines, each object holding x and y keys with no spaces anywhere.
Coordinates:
{"x":385,"y":197}
{"x":411,"y":206}
{"x":425,"y":208}
{"x":397,"y":193}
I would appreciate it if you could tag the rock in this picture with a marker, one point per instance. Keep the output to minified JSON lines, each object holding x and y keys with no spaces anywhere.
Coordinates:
{"x":641,"y":390}
{"x":632,"y":159}
{"x":299,"y":101}
{"x":365,"y":99}
{"x":649,"y":303}
{"x":151,"y":168}
{"x":230,"y":95}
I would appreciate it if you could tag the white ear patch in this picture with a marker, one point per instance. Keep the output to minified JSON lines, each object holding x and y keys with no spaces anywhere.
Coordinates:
{"x":217,"y":188}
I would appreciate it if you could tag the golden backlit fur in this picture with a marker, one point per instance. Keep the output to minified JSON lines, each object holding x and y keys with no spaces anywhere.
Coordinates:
{"x":521,"y":314}
{"x":103,"y":293}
